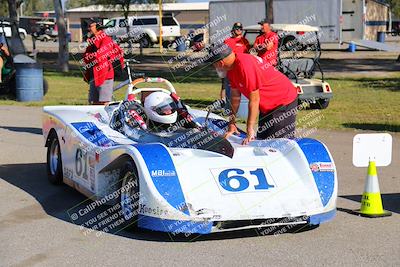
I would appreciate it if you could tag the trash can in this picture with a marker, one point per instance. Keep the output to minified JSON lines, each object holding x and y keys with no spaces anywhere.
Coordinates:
{"x":381,"y":37}
{"x":352,"y":47}
{"x":181,"y":46}
{"x":28,"y":78}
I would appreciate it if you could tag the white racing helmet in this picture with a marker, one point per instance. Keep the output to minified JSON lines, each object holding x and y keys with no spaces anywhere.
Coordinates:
{"x":161,"y":108}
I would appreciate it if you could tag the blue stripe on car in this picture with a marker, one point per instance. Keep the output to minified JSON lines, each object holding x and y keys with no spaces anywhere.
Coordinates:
{"x":321,"y":218}
{"x":174,"y":226}
{"x":93,"y":134}
{"x":163,"y":173}
{"x":316,"y":152}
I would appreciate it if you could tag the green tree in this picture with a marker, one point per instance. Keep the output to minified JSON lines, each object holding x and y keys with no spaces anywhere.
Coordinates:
{"x":3,"y":8}
{"x":395,"y":7}
{"x":79,"y":3}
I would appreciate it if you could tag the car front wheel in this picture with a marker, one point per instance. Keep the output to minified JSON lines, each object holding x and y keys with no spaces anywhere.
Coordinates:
{"x":54,"y":164}
{"x":130,"y":194}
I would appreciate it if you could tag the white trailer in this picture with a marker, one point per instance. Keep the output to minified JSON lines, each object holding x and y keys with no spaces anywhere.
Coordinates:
{"x":340,"y":21}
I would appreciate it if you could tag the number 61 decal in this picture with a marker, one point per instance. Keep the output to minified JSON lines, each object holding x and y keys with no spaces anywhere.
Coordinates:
{"x":244,"y":179}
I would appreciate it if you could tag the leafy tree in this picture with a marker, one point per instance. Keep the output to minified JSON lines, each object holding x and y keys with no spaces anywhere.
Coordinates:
{"x":79,"y":3}
{"x":3,"y":8}
{"x":395,"y":7}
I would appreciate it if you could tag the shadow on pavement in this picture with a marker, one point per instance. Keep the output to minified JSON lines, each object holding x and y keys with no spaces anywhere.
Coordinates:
{"x":60,"y":201}
{"x":32,"y":130}
{"x":391,"y":202}
{"x":373,"y":126}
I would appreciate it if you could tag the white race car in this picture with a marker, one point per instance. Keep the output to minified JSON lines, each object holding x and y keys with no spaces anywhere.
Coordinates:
{"x":188,"y":178}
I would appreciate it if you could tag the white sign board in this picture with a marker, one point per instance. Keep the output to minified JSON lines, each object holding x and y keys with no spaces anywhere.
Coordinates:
{"x":377,"y":147}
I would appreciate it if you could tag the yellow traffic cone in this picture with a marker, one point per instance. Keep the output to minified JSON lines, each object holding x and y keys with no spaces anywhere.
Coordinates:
{"x":371,"y":201}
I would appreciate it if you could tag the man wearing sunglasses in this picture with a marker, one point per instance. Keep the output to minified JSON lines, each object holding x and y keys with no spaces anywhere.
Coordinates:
{"x":239,"y":44}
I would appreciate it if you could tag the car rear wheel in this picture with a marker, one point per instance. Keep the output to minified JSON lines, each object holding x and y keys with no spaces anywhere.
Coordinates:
{"x":320,"y":104}
{"x":130,"y":194}
{"x":54,"y":163}
{"x":145,"y":42}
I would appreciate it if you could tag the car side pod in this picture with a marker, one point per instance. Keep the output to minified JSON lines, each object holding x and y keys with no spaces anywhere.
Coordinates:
{"x":324,"y":171}
{"x":371,"y":201}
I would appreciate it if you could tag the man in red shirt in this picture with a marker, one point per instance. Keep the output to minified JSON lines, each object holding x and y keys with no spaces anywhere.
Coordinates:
{"x":266,"y":44}
{"x":238,"y":44}
{"x":272,"y":96}
{"x":98,"y":58}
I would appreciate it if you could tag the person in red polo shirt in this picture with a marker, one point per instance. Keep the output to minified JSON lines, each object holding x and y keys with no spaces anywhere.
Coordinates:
{"x":272,"y":96}
{"x":266,"y":44}
{"x":99,"y":56}
{"x":238,"y":44}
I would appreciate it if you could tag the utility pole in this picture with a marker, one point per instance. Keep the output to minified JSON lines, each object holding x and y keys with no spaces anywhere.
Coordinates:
{"x":269,"y":10}
{"x":160,"y":23}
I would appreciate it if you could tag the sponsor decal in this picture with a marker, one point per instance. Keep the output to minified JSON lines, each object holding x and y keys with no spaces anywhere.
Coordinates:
{"x":92,"y":161}
{"x":91,"y":178}
{"x":163,"y":173}
{"x":322,"y":167}
{"x":68,"y":173}
{"x":157,"y":211}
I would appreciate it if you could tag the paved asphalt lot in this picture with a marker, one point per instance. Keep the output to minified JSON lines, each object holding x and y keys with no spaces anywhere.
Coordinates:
{"x":35,"y":229}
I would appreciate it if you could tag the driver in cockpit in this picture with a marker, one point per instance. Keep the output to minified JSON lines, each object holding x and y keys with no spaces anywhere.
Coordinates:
{"x":161,"y":111}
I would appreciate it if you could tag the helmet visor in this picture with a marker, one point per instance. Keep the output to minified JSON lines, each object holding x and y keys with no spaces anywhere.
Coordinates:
{"x":165,"y":108}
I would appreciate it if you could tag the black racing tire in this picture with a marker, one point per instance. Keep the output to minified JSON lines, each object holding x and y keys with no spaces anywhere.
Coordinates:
{"x":165,"y":44}
{"x":54,"y":162}
{"x":145,"y":42}
{"x":129,"y":195}
{"x":320,"y":104}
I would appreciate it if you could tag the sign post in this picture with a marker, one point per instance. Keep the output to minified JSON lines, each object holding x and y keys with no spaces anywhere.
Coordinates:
{"x":372,"y":150}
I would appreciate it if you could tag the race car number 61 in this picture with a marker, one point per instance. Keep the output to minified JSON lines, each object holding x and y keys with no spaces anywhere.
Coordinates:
{"x":237,"y":180}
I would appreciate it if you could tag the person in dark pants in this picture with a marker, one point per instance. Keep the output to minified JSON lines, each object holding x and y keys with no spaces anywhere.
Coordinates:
{"x":279,"y":123}
{"x":272,"y":96}
{"x":239,"y":44}
{"x":99,"y":56}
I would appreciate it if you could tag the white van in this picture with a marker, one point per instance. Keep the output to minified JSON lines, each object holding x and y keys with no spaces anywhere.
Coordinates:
{"x":145,"y":29}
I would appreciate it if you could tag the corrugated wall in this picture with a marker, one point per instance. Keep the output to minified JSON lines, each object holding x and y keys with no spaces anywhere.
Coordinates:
{"x":375,"y":18}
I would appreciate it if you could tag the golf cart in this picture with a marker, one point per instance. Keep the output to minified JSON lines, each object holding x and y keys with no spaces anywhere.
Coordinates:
{"x":45,"y":31}
{"x":299,"y":52}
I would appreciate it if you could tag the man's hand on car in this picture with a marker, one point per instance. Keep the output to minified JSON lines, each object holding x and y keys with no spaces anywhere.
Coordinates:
{"x":232,"y":129}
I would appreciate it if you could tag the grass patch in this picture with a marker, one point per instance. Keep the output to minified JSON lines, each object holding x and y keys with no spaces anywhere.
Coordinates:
{"x":358,"y":103}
